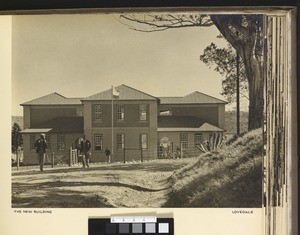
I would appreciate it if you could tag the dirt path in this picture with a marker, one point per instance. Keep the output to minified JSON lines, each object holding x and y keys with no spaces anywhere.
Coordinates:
{"x":101,"y":185}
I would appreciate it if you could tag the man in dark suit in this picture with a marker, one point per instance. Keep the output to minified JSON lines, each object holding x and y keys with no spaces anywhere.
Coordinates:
{"x":40,"y":146}
{"x":85,"y":146}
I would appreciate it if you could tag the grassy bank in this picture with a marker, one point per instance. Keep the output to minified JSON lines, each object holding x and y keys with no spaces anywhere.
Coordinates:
{"x":230,"y":177}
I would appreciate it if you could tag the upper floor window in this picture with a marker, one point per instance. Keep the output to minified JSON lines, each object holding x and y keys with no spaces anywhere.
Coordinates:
{"x":98,"y":113}
{"x":120,"y":113}
{"x":98,"y":142}
{"x":61,"y":142}
{"x":32,"y":141}
{"x":120,"y":141}
{"x":143,"y":112}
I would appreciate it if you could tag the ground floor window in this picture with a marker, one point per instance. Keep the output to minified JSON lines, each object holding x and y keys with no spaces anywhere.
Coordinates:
{"x":120,"y":141}
{"x":143,"y":141}
{"x":61,"y":142}
{"x":32,"y":141}
{"x":184,"y":140}
{"x":198,"y":139}
{"x":98,"y":141}
{"x":48,"y":141}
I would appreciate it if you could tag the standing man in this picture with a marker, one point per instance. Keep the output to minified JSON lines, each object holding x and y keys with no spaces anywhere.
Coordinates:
{"x":40,"y":146}
{"x":108,"y":154}
{"x":85,"y":146}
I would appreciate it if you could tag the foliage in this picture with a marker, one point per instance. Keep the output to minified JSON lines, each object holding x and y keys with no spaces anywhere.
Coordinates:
{"x":16,"y":138}
{"x":231,"y":177}
{"x":243,"y":32}
{"x":223,"y":60}
{"x":211,"y":145}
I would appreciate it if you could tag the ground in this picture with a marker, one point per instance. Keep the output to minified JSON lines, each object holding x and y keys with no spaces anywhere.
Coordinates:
{"x":102,"y":185}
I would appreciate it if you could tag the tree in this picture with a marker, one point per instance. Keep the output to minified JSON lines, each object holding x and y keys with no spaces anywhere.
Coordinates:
{"x":223,"y":60}
{"x":16,"y":138}
{"x":227,"y":63}
{"x":243,"y":32}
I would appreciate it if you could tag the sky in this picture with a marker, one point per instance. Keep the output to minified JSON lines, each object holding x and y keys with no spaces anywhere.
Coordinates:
{"x":81,"y":55}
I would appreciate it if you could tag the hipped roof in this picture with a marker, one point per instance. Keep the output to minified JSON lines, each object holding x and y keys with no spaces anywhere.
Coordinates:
{"x":53,"y":99}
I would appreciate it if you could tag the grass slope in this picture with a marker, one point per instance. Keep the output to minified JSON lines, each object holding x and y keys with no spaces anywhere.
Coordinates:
{"x":228,"y":178}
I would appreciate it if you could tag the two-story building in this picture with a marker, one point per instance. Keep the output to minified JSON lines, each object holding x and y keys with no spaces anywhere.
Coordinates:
{"x":132,"y":122}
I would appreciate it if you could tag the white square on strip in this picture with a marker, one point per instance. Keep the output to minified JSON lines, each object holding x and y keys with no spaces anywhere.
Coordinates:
{"x":163,"y":228}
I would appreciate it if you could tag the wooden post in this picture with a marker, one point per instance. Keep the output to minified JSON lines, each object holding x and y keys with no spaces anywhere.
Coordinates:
{"x":124,"y":155}
{"x":70,"y":156}
{"x":18,"y":159}
{"x":142,"y":155}
{"x":52,"y":160}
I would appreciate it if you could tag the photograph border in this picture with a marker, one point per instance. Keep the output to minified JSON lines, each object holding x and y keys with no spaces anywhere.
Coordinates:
{"x":291,"y":141}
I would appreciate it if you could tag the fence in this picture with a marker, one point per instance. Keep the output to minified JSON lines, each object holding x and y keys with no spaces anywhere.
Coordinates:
{"x":182,"y":151}
{"x":63,"y":159}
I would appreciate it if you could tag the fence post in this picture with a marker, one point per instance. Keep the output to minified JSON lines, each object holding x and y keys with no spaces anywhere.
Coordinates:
{"x":52,"y":160}
{"x":18,"y":159}
{"x":124,"y":158}
{"x":142,"y":155}
{"x":70,"y":157}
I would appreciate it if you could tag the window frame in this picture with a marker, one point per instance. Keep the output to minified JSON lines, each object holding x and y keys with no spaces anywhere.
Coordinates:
{"x":197,"y":142}
{"x":59,"y":136}
{"x":184,"y":142}
{"x":120,"y":137}
{"x":145,"y":112}
{"x":141,"y":141}
{"x":100,"y":113}
{"x":48,"y":141}
{"x":32,"y":140}
{"x":96,"y":145}
{"x":120,"y":112}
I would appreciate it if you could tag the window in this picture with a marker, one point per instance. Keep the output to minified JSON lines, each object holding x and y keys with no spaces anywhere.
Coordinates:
{"x":48,"y":141}
{"x":98,"y":113}
{"x":98,"y":142}
{"x":61,"y":144}
{"x":184,"y":140}
{"x":143,"y":112}
{"x":143,"y":141}
{"x":120,"y":141}
{"x":120,"y":112}
{"x":32,"y":141}
{"x":198,"y":139}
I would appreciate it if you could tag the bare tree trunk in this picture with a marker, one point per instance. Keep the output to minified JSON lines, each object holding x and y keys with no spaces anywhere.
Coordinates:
{"x":256,"y":102}
{"x":246,"y":46}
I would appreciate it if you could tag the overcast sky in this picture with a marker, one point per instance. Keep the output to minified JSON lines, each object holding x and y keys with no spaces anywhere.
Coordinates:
{"x":80,"y":55}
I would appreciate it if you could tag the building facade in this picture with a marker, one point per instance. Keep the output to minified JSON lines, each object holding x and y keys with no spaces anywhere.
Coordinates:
{"x":133,"y":125}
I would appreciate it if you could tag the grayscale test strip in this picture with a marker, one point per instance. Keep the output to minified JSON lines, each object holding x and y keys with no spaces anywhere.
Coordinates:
{"x":134,"y":225}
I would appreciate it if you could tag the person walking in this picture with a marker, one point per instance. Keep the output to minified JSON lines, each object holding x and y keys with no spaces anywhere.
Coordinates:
{"x":85,"y":146}
{"x":108,"y":154}
{"x":40,"y":146}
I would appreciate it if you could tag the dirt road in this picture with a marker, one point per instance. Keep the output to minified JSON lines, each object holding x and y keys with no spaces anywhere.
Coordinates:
{"x":101,"y":185}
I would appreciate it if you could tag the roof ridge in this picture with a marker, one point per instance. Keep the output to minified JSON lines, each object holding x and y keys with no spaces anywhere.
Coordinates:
{"x":138,"y":90}
{"x":207,"y":95}
{"x":57,"y":94}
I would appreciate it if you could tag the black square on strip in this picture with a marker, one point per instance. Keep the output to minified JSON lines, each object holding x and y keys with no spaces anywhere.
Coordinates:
{"x":111,"y":228}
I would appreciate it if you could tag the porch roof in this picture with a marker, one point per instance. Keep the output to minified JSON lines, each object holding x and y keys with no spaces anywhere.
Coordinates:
{"x":36,"y":130}
{"x":206,"y":127}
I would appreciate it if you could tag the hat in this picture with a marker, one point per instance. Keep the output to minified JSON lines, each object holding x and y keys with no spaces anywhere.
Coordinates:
{"x":42,"y":134}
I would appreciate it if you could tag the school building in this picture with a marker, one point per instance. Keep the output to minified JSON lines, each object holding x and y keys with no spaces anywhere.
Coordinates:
{"x":131,"y":124}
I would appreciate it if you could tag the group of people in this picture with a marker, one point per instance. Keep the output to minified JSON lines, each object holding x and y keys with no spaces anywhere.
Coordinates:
{"x":84,"y":147}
